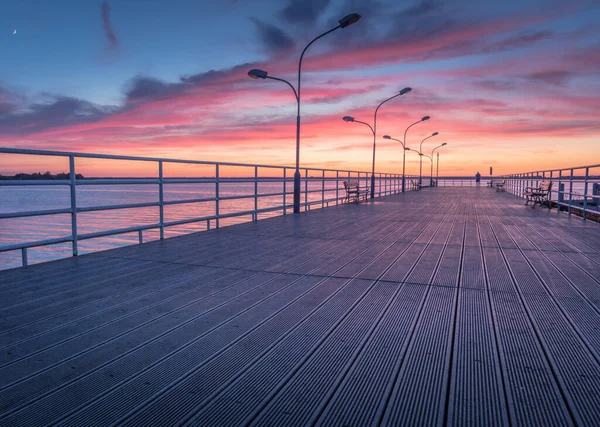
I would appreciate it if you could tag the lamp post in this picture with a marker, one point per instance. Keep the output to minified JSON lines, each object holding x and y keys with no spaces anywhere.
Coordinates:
{"x":438,"y":161}
{"x":410,"y":149}
{"x":421,"y":159}
{"x":261,"y":74}
{"x":374,"y":130}
{"x":404,"y":151}
{"x":394,"y":139}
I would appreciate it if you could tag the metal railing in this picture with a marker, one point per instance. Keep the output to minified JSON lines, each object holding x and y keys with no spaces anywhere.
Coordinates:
{"x":574,"y":190}
{"x":386,"y":184}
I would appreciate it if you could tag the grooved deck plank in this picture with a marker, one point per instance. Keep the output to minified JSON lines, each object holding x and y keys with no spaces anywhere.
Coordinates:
{"x":392,"y":312}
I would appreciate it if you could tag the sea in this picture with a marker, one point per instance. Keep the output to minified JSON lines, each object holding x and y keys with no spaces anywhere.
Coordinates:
{"x":43,"y":197}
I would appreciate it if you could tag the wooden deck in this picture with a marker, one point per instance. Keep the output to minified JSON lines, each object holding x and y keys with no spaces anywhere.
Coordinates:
{"x":449,"y":306}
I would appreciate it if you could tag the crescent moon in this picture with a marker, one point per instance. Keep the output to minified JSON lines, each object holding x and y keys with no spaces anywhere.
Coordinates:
{"x":14,"y":32}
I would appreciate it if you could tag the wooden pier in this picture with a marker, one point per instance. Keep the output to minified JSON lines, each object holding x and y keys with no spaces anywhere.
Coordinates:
{"x":448,"y":306}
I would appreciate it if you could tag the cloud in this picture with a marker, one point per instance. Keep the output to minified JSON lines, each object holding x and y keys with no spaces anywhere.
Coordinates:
{"x":553,"y":77}
{"x":59,"y":111}
{"x":7,"y":101}
{"x":303,"y":11}
{"x":273,"y":38}
{"x":108,"y":30}
{"x":143,"y":88}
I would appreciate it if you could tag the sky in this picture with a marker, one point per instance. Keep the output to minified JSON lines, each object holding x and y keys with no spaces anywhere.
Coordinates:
{"x":513,"y":84}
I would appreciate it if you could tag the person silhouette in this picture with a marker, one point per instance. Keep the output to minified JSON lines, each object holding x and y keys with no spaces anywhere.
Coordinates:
{"x":477,"y":177}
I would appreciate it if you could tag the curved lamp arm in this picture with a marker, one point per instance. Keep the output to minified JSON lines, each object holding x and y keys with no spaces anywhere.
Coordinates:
{"x":288,"y":83}
{"x":430,"y":136}
{"x":409,"y":128}
{"x":394,"y":139}
{"x":366,"y":124}
{"x":445,"y":143}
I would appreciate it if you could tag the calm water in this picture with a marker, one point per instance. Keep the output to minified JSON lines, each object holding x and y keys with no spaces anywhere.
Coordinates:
{"x":32,"y":198}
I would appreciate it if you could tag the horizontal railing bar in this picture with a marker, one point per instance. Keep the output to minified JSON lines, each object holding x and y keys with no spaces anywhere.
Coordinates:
{"x":184,"y":201}
{"x":37,"y":243}
{"x":25,"y":151}
{"x":134,"y":181}
{"x":34,"y":213}
{"x":116,"y":231}
{"x":116,"y":181}
{"x":113,"y":207}
{"x":14,"y":182}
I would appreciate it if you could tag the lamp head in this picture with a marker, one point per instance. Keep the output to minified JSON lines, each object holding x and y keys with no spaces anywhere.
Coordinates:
{"x":445,"y":143}
{"x":348,"y":118}
{"x":387,"y":137}
{"x":425,"y":118}
{"x":405,"y":90}
{"x":257,"y":74}
{"x":407,"y":149}
{"x":349,"y":20}
{"x":435,"y":133}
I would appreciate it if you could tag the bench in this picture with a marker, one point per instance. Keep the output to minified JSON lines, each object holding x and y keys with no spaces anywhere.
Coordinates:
{"x":539,"y":195}
{"x":500,"y":185}
{"x":414,"y":185}
{"x":354,"y":191}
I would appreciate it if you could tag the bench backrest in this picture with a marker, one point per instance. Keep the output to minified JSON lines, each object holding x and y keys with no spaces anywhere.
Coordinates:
{"x":545,"y":186}
{"x":350,"y":184}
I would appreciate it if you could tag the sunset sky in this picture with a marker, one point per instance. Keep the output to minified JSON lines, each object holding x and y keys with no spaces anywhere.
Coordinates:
{"x":513,"y":84}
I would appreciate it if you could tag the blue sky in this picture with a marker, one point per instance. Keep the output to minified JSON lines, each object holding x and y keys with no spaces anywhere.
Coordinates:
{"x":170,"y":78}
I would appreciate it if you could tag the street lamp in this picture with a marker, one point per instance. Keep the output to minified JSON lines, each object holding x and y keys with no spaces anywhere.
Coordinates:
{"x":404,"y":152}
{"x":261,"y":74}
{"x":394,"y":139}
{"x":410,"y":149}
{"x":421,"y":160}
{"x":438,"y":164}
{"x":374,"y":130}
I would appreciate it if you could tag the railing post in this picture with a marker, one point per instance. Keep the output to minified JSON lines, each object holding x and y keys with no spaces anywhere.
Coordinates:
{"x":305,"y":190}
{"x":73,"y":203}
{"x":161,"y":205}
{"x":255,"y":193}
{"x":217,"y":195}
{"x":570,"y":191}
{"x":140,"y":237}
{"x":337,"y":186}
{"x":561,"y":195}
{"x":323,"y":189}
{"x":284,"y":191}
{"x":24,"y":257}
{"x":585,"y":192}
{"x":561,"y":189}
{"x":551,"y":183}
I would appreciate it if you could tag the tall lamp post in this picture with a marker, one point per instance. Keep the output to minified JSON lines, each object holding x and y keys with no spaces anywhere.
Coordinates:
{"x":404,"y":151}
{"x":374,"y":130}
{"x":421,"y":159}
{"x":261,"y":74}
{"x":410,"y":149}
{"x":394,"y":139}
{"x":438,"y":161}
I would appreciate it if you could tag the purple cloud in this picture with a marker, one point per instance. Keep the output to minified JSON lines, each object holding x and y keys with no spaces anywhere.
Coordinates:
{"x":108,"y":30}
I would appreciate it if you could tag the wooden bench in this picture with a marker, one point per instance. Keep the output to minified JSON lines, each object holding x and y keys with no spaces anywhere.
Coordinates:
{"x":414,"y":185}
{"x":354,"y":191}
{"x":500,"y":185}
{"x":539,"y":195}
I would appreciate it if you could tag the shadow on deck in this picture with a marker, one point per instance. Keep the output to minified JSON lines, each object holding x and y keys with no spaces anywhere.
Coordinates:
{"x":446,"y":306}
